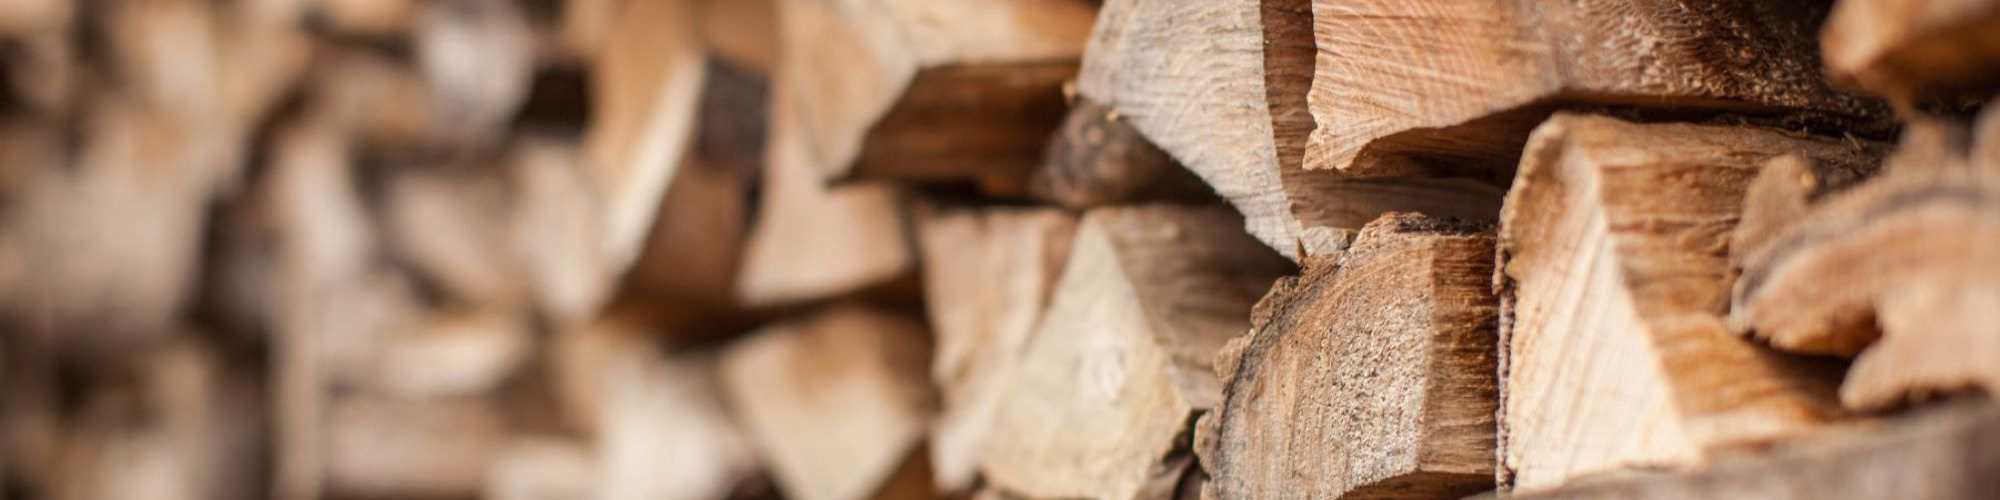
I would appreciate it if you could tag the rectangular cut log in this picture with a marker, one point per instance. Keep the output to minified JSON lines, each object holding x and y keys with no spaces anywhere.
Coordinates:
{"x":1453,"y":86}
{"x":1370,"y":378}
{"x":1899,"y":268}
{"x":1944,"y":453}
{"x":1221,"y":87}
{"x":836,"y":403}
{"x":927,"y":89}
{"x":1102,"y":401}
{"x":1914,"y":51}
{"x":1614,"y":279}
{"x":988,"y":273}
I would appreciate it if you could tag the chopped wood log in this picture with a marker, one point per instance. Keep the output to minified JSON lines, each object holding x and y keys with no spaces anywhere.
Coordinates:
{"x":987,"y":277}
{"x":179,"y":425}
{"x":836,"y":402}
{"x":646,"y":86}
{"x":1221,"y":87}
{"x":1102,"y":401}
{"x":541,"y":468}
{"x":1453,"y":87}
{"x":378,"y":19}
{"x":478,"y":58}
{"x":663,"y":433}
{"x":381,"y":448}
{"x":856,"y":232}
{"x":450,"y":223}
{"x":555,"y":229}
{"x":929,"y":90}
{"x":742,"y":32}
{"x":1914,"y":51}
{"x":1900,"y":265}
{"x":1372,"y":378}
{"x":1613,"y":279}
{"x":1943,"y":453}
{"x":452,"y":355}
{"x":1098,"y":159}
{"x":32,"y":15}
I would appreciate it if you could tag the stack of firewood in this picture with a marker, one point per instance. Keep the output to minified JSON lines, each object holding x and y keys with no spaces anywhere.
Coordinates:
{"x":999,"y":249}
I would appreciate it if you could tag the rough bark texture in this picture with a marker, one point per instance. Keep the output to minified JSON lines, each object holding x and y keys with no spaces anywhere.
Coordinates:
{"x":1097,"y":159}
{"x":1453,"y":86}
{"x":1372,"y":378}
{"x":1614,"y":279}
{"x":1102,"y":402}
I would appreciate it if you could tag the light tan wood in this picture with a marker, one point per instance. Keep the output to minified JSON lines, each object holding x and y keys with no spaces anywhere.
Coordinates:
{"x":1914,"y":51}
{"x":921,"y":89}
{"x":1898,"y":268}
{"x":1221,"y":87}
{"x":1943,"y":453}
{"x":1102,"y":403}
{"x":646,"y":87}
{"x":1369,"y":378}
{"x":452,"y":354}
{"x":477,"y":56}
{"x":1614,"y":277}
{"x":180,"y":425}
{"x":835,"y":402}
{"x":856,"y":232}
{"x":450,"y":223}
{"x":409,"y":448}
{"x":1453,"y":86}
{"x":988,"y":274}
{"x":555,"y":229}
{"x":541,"y":468}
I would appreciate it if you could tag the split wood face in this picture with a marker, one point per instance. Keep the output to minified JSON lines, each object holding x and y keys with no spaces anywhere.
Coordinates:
{"x":1939,"y":50}
{"x":1614,"y":280}
{"x":1373,"y":378}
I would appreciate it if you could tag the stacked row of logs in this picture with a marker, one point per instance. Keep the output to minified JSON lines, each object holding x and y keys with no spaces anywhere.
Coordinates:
{"x":999,"y":249}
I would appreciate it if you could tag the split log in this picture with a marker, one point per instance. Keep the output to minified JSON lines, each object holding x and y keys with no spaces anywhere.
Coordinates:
{"x":1901,"y":265}
{"x":1373,"y":378}
{"x":836,"y":403}
{"x":1098,"y":159}
{"x":987,"y":277}
{"x":1453,"y":87}
{"x":555,"y":230}
{"x":367,"y":19}
{"x":662,"y":432}
{"x":1613,"y":282}
{"x":1221,"y":87}
{"x":541,"y":469}
{"x":181,"y":424}
{"x":382,"y":448}
{"x":1945,"y":453}
{"x":1102,"y":402}
{"x":929,"y":90}
{"x":478,"y":58}
{"x":451,"y":355}
{"x":449,"y":223}
{"x":646,"y":88}
{"x":1912,"y":51}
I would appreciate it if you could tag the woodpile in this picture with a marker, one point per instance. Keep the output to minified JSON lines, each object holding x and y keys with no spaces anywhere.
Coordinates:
{"x":999,"y":249}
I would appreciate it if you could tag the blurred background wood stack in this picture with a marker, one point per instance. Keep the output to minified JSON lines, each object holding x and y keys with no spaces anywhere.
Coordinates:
{"x":999,"y":249}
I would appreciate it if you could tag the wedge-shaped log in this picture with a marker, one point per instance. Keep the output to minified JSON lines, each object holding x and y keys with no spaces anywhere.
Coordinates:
{"x":1945,"y":453}
{"x":1098,"y":159}
{"x":1101,"y":403}
{"x":1911,"y":51}
{"x":1373,"y":378}
{"x":1900,"y":268}
{"x":836,"y":403}
{"x":1454,"y":86}
{"x":1614,"y":279}
{"x":988,"y":273}
{"x":929,"y":90}
{"x":1221,"y":87}
{"x":647,"y":86}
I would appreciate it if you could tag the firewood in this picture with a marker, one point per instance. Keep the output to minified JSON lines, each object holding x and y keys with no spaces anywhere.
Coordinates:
{"x":1372,"y":378}
{"x":1102,"y":400}
{"x":478,"y":57}
{"x":937,"y":90}
{"x":449,"y":222}
{"x":844,"y":447}
{"x":1098,"y":159}
{"x":1912,"y":250}
{"x":663,"y":433}
{"x":379,"y":19}
{"x":1613,"y":281}
{"x":181,"y":424}
{"x":1221,"y":87}
{"x":646,"y":86}
{"x":541,"y":468}
{"x":1428,"y":88}
{"x":378,"y":448}
{"x":32,"y":15}
{"x":1945,"y":453}
{"x":1914,"y":51}
{"x":452,"y":354}
{"x":742,"y":32}
{"x":555,"y":229}
{"x":987,"y":277}
{"x":856,"y":231}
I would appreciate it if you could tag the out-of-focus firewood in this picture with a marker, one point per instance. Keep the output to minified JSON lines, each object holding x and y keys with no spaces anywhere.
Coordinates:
{"x":1912,"y":51}
{"x":478,"y":57}
{"x":856,"y":232}
{"x":1901,"y":265}
{"x":1453,"y":87}
{"x":1098,"y":159}
{"x":987,"y":277}
{"x":928,"y":90}
{"x":555,"y":229}
{"x":180,"y":425}
{"x":1944,"y":453}
{"x":646,"y":87}
{"x":836,"y":402}
{"x":34,"y":15}
{"x":429,"y":448}
{"x":1372,"y":378}
{"x":450,"y":224}
{"x":365,"y":18}
{"x":1102,"y":401}
{"x":1221,"y":87}
{"x":542,"y":468}
{"x":1613,"y":278}
{"x":663,"y":434}
{"x":742,"y":32}
{"x":451,"y":355}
